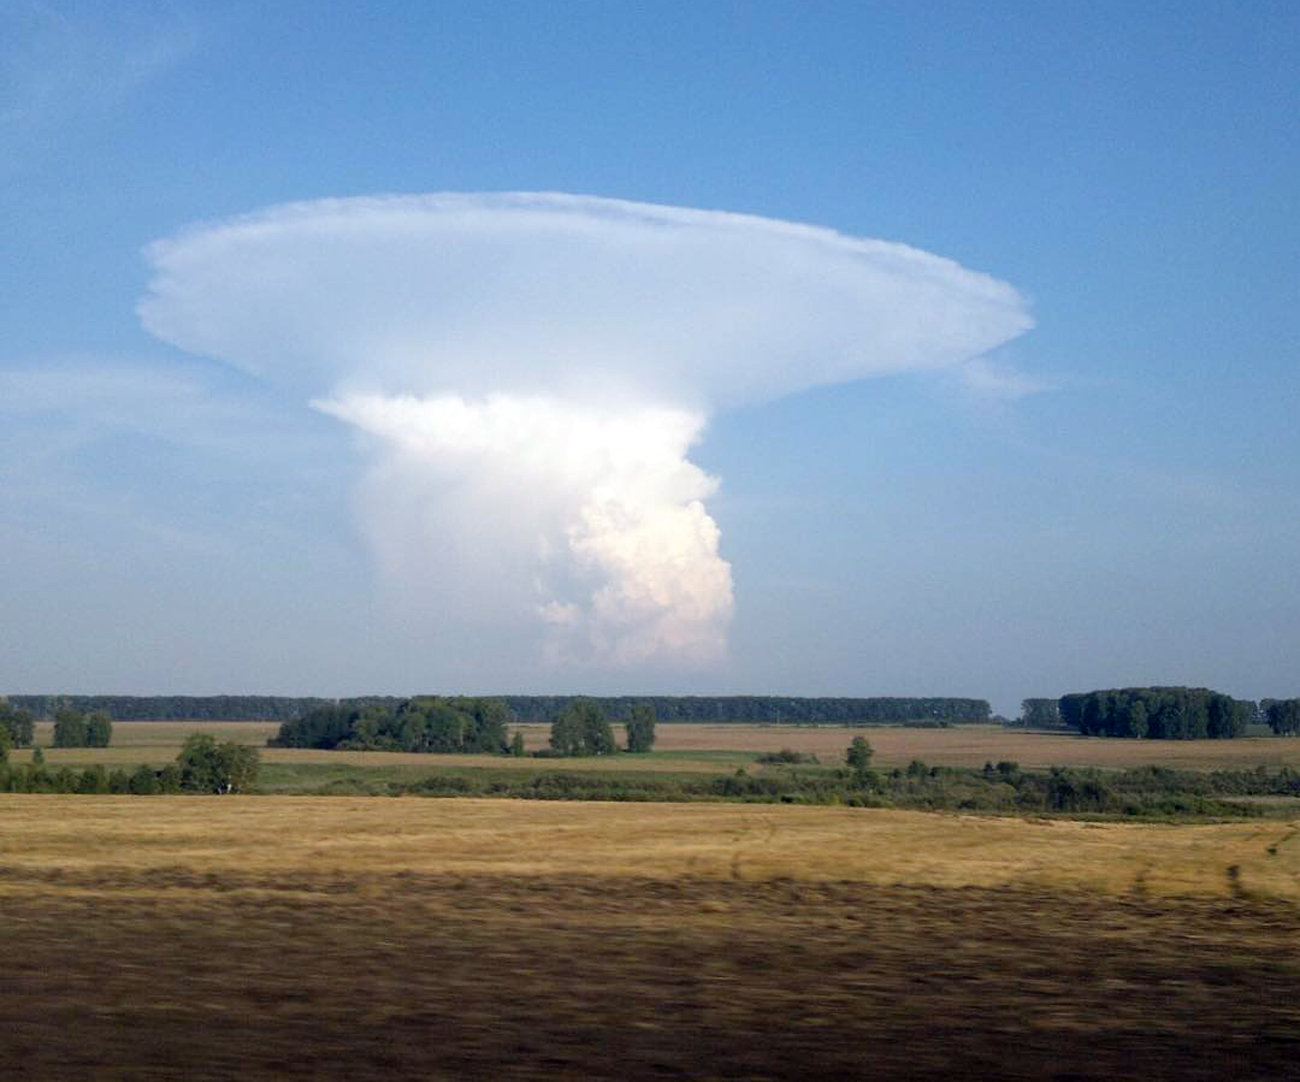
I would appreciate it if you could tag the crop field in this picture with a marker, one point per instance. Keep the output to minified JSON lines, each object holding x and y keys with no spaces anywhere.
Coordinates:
{"x":715,"y":748}
{"x":269,"y":937}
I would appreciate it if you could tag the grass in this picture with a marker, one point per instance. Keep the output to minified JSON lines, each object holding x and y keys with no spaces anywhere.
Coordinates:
{"x":260,"y":938}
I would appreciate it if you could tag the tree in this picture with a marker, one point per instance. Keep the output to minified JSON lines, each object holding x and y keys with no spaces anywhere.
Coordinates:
{"x":208,"y":767}
{"x":582,"y":729}
{"x":517,"y":744}
{"x":6,"y":742}
{"x":1283,"y":715}
{"x":859,"y":759}
{"x":69,"y":729}
{"x":641,"y":728}
{"x":1040,"y":713}
{"x":99,"y":730}
{"x":143,"y":782}
{"x":1137,"y":720}
{"x":18,"y":723}
{"x":94,"y":779}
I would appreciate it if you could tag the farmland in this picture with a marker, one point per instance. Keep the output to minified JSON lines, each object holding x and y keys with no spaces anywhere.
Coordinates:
{"x":712,"y":747}
{"x":263,"y":937}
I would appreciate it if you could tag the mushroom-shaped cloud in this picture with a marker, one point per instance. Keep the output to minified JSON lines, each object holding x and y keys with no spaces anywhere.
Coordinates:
{"x":536,"y":367}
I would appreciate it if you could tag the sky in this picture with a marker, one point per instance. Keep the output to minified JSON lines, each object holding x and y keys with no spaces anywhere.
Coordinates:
{"x":1009,"y":411}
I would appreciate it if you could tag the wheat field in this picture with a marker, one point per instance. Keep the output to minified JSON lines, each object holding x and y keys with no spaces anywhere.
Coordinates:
{"x":385,"y":938}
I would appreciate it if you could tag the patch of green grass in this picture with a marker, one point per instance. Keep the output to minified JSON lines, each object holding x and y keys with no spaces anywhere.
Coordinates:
{"x":288,"y":777}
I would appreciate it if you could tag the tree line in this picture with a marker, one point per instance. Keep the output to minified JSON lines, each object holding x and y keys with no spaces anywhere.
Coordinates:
{"x":1160,"y":713}
{"x":532,"y":708}
{"x":760,"y":708}
{"x":170,"y":707}
{"x":201,"y":766}
{"x":460,"y":724}
{"x":428,"y":724}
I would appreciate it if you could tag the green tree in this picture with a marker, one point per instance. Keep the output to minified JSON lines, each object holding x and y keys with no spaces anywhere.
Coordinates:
{"x":1040,"y":713}
{"x":641,"y":728}
{"x":566,"y":733}
{"x":859,"y":759}
{"x":582,"y":729}
{"x":208,"y":767}
{"x":1137,"y":719}
{"x":38,"y":757}
{"x":99,"y":730}
{"x":18,"y":723}
{"x":1283,"y":715}
{"x":517,"y":744}
{"x":143,"y":782}
{"x":94,"y":779}
{"x":169,"y":779}
{"x":69,"y":729}
{"x":6,"y":742}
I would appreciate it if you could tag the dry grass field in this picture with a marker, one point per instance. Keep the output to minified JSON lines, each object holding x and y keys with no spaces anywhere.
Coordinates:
{"x":381,"y":938}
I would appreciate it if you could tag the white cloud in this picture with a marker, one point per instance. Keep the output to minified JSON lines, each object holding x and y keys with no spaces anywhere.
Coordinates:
{"x":535,"y":368}
{"x":590,"y":519}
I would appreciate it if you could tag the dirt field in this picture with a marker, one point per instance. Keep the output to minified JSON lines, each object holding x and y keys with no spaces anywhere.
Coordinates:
{"x":329,"y":938}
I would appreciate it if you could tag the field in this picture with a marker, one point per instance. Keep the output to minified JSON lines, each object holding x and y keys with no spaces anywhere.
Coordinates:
{"x":705,"y":748}
{"x":267,"y":937}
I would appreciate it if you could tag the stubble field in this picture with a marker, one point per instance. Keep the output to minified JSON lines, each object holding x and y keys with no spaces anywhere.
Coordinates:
{"x":266,"y":937}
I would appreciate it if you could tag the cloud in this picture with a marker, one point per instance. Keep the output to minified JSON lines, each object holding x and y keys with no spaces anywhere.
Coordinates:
{"x":530,"y":371}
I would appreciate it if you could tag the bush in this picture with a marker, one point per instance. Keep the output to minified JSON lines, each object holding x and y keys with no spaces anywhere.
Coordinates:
{"x":208,"y":767}
{"x":144,"y":782}
{"x":786,"y":755}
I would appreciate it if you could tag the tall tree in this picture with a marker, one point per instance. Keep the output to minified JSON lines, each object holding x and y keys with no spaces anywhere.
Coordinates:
{"x":858,"y":758}
{"x":641,"y":728}
{"x":581,"y":728}
{"x":69,"y":729}
{"x":1283,"y":715}
{"x":99,"y":730}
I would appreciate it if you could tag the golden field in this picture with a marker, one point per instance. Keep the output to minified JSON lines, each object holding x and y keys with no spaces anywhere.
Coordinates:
{"x":393,"y":938}
{"x":383,"y":836}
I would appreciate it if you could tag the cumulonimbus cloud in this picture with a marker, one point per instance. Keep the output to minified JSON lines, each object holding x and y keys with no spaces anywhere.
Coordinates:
{"x":537,"y":366}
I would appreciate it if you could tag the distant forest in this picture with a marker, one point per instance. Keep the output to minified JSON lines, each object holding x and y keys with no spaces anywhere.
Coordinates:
{"x":537,"y":708}
{"x":1160,"y":713}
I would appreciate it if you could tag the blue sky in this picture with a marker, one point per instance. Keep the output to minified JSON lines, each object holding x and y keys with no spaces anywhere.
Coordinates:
{"x":172,"y":523}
